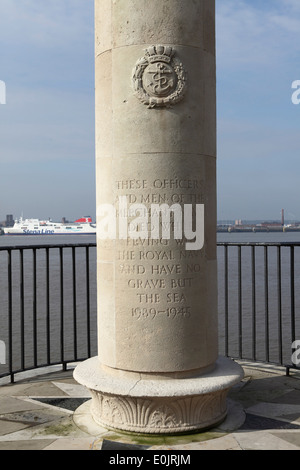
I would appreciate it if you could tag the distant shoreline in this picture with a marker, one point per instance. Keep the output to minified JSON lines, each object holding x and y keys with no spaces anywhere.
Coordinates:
{"x":255,"y":229}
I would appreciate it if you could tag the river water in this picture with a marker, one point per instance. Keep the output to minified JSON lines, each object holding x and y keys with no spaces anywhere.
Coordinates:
{"x":30,"y":314}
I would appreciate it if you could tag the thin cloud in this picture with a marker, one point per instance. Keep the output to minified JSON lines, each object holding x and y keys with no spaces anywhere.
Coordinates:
{"x":45,"y":24}
{"x":251,"y":35}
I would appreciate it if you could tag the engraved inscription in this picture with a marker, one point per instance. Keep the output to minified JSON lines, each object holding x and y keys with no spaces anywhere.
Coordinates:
{"x":160,"y":275}
{"x":140,"y":313}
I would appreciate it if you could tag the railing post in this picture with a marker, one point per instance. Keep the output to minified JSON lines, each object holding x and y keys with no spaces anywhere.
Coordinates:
{"x":279,"y":304}
{"x":74,"y":302}
{"x":253,"y":302}
{"x":292,"y":290}
{"x":10,"y":333}
{"x":266,"y":302}
{"x":240,"y":318}
{"x":88,"y":326}
{"x":48,"y":305}
{"x":226,"y":300}
{"x":34,"y":329}
{"x":22,"y":310}
{"x":61,"y":304}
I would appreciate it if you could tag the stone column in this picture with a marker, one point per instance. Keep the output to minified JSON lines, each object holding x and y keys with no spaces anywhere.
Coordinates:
{"x":158,"y":369}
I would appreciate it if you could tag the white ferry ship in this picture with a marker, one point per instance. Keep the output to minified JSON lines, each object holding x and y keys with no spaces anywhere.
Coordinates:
{"x":83,"y":226}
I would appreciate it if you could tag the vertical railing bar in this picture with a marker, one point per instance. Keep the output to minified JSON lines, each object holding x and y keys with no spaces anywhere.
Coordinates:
{"x":266,"y":303}
{"x":253,"y":303}
{"x":292,"y":290}
{"x":48,"y":340}
{"x":74,"y":302}
{"x":34,"y":309}
{"x":279,"y":300}
{"x":10,"y":322}
{"x":87,"y":254}
{"x":240,"y":301}
{"x":61,"y":305}
{"x":22,"y":309}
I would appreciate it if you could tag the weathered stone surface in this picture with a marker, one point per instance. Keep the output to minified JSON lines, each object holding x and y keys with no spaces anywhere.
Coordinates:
{"x":154,"y":295}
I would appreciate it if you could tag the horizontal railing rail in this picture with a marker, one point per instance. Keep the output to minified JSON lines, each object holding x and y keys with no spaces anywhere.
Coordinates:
{"x":48,"y":304}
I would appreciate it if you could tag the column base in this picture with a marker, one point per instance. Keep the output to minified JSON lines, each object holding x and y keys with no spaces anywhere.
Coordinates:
{"x":171,"y":406}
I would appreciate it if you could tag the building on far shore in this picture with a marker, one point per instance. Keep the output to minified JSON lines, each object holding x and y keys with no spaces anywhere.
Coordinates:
{"x":8,"y":222}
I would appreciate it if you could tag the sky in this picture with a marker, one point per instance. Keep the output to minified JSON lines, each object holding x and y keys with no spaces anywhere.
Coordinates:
{"x":47,"y":167}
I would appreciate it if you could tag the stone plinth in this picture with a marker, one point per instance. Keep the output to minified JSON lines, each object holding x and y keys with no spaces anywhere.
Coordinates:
{"x":157,"y":369}
{"x":156,"y":405}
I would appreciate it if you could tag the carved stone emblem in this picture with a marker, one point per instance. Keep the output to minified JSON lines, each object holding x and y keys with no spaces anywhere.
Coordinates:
{"x":159,"y":78}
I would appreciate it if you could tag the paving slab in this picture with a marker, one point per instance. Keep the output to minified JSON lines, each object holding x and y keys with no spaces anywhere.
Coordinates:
{"x":72,"y":444}
{"x":222,"y":443}
{"x":263,"y":441}
{"x":291,"y":437}
{"x":8,"y":427}
{"x":25,"y":445}
{"x":11,"y":404}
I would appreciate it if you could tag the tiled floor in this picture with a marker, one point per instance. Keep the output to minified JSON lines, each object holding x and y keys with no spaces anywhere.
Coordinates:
{"x":49,"y":412}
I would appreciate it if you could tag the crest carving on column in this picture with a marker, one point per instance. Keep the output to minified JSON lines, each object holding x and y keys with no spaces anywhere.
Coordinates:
{"x":159,"y":78}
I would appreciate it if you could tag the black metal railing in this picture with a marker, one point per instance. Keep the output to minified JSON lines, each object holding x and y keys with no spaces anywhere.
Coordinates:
{"x":259,"y":294}
{"x":48,"y":303}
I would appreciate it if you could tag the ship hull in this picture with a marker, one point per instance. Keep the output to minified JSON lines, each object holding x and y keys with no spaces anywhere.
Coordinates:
{"x":34,"y":227}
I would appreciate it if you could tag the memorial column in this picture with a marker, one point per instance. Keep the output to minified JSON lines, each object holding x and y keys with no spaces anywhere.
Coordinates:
{"x":158,"y":369}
